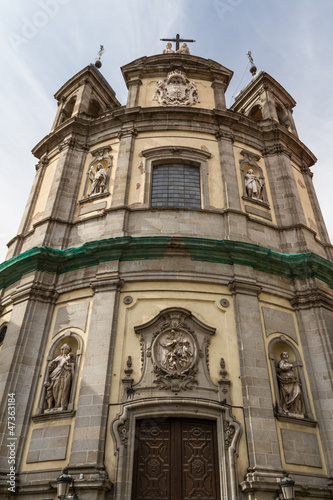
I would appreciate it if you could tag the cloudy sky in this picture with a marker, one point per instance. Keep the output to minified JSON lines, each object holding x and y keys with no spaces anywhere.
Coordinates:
{"x":45,"y":42}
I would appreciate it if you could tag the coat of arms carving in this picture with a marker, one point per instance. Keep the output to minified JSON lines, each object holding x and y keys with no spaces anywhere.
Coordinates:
{"x":176,"y":90}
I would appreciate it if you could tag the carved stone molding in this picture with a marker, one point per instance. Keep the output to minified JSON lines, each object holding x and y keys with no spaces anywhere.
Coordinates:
{"x":129,"y":132}
{"x":176,"y":90}
{"x":244,"y":287}
{"x":277,"y":149}
{"x":220,"y":134}
{"x":73,"y":143}
{"x":43,"y":162}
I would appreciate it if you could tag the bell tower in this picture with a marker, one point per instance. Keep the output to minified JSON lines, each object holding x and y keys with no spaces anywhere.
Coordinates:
{"x":167,"y":304}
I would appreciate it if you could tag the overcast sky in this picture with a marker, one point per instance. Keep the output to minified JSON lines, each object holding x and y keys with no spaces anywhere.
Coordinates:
{"x":45,"y":42}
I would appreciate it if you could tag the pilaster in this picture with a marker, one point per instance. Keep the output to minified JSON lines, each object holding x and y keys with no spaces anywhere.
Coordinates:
{"x":22,"y":355}
{"x":124,"y":167}
{"x":92,"y":410}
{"x":62,"y":199}
{"x":219,"y":94}
{"x":133,"y":92}
{"x":314,"y":311}
{"x":260,"y":428}
{"x":228,"y":167}
{"x":287,"y":203}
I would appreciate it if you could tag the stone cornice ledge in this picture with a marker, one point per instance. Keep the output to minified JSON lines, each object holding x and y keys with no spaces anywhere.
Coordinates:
{"x":45,"y":259}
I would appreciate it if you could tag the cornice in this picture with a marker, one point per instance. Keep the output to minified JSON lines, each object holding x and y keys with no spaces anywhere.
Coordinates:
{"x":88,"y":132}
{"x":45,"y":259}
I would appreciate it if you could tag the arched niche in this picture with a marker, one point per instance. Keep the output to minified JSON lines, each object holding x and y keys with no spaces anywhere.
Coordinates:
{"x":98,"y":174}
{"x":60,"y":378}
{"x":283,"y":115}
{"x":291,"y":400}
{"x":94,"y":108}
{"x":68,"y":109}
{"x":3,"y":331}
{"x":256,"y":113}
{"x":253,"y":179}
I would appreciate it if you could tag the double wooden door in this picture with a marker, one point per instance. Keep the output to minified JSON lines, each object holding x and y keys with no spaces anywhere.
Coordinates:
{"x":175,"y":459}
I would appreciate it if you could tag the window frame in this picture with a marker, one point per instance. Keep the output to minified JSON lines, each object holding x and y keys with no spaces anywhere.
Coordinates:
{"x":180,"y":155}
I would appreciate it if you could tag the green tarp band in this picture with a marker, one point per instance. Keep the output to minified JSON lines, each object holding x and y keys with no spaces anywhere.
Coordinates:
{"x":291,"y":266}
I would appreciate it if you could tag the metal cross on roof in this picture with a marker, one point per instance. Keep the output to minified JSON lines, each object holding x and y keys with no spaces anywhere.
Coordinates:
{"x":177,"y":40}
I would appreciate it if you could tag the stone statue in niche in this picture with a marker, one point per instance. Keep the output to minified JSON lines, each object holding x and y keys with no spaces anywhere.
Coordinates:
{"x":98,"y":179}
{"x":59,"y":382}
{"x":290,"y":389}
{"x":253,"y":185}
{"x":176,"y":90}
{"x":168,"y":49}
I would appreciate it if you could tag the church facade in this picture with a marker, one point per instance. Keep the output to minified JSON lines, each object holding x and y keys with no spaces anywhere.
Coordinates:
{"x":167,"y":305}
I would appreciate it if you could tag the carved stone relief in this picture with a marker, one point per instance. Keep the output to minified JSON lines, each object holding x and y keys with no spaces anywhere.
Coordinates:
{"x":176,"y":90}
{"x":175,"y":358}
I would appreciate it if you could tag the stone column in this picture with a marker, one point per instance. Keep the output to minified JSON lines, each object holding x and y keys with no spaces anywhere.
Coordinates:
{"x":22,"y":355}
{"x":124,"y":167}
{"x":92,"y":410}
{"x":260,"y":428}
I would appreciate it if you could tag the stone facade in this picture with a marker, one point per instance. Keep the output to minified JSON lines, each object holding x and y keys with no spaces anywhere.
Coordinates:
{"x":170,"y":312}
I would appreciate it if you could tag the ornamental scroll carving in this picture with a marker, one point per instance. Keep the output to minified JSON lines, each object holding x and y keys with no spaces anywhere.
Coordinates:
{"x":176,"y":90}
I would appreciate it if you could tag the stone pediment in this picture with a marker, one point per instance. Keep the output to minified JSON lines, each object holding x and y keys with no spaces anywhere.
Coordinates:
{"x":174,"y":358}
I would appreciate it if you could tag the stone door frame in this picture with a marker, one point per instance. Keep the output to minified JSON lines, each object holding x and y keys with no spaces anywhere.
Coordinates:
{"x":228,"y":434}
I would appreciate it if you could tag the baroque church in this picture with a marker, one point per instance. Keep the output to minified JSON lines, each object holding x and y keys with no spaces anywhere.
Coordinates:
{"x":166,"y":305}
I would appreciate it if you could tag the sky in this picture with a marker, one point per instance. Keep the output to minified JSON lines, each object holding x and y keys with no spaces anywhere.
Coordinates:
{"x":45,"y":42}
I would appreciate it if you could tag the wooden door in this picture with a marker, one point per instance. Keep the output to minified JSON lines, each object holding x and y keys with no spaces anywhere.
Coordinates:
{"x":175,"y":459}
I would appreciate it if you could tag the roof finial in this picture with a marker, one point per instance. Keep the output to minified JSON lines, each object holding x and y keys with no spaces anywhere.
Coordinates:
{"x":98,"y":62}
{"x":253,"y":68}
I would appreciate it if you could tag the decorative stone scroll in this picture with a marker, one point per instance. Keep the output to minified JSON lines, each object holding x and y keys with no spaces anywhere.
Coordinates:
{"x":176,"y":90}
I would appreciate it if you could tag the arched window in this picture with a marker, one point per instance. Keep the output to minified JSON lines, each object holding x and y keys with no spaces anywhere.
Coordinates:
{"x":94,"y":108}
{"x":256,"y":113}
{"x":68,"y":109}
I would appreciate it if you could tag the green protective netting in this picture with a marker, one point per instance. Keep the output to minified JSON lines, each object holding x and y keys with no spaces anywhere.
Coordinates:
{"x":92,"y":253}
{"x":291,"y":266}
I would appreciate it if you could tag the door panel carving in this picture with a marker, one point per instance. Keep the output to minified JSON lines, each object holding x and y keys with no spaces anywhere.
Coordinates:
{"x":175,"y":459}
